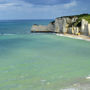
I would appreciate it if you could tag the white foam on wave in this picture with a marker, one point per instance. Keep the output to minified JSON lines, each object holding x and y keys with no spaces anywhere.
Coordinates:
{"x":7,"y":34}
{"x":43,"y":80}
{"x":73,"y":37}
{"x":88,"y":77}
{"x":69,"y":89}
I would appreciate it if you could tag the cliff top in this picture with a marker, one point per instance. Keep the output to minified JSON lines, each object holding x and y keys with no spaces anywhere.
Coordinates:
{"x":80,"y":17}
{"x":84,"y":16}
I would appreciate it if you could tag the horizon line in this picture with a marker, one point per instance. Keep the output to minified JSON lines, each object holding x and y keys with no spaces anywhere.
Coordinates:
{"x":23,"y":19}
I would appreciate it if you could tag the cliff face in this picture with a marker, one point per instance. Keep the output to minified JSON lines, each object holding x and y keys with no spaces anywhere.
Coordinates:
{"x":66,"y":24}
{"x":85,"y":27}
{"x":62,"y":24}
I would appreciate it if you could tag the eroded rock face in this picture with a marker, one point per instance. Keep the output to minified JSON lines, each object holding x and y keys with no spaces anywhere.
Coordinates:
{"x":64,"y":23}
{"x":51,"y":27}
{"x":60,"y":25}
{"x":84,"y":27}
{"x":70,"y":30}
{"x":89,"y":29}
{"x":76,"y":30}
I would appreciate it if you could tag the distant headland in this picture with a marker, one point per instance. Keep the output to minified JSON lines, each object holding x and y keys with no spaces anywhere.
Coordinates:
{"x":74,"y":25}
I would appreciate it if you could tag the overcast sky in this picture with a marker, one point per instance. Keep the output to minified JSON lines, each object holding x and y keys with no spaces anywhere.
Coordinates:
{"x":42,"y":9}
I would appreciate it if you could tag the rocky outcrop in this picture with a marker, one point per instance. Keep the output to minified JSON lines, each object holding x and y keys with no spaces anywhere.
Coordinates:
{"x":60,"y":25}
{"x":51,"y":27}
{"x":42,"y":29}
{"x":39,"y":28}
{"x":66,"y":24}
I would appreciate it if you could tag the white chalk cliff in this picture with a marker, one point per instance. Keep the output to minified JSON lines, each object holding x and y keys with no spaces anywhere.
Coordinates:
{"x":65,"y":25}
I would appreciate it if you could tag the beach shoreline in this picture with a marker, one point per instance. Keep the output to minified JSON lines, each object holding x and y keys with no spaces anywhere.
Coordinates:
{"x":80,"y":37}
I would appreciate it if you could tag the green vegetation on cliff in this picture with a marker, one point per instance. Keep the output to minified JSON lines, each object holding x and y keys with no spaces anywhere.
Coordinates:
{"x":80,"y":17}
{"x":85,"y":16}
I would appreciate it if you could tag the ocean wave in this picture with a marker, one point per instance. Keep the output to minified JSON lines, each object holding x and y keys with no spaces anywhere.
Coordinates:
{"x":88,"y":77}
{"x":7,"y":34}
{"x":73,"y":37}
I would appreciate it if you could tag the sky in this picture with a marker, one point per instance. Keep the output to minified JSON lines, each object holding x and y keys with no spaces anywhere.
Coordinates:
{"x":41,"y":9}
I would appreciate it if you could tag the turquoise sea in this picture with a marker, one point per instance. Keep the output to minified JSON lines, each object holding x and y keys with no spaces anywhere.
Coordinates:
{"x":30,"y":61}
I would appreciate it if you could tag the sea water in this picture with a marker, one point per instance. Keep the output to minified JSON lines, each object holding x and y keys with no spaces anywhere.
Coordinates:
{"x":30,"y":61}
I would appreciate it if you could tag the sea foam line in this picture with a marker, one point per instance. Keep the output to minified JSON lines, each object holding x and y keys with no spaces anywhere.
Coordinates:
{"x":73,"y":37}
{"x":6,"y":34}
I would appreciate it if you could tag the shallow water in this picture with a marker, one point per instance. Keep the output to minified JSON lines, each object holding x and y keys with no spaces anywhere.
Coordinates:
{"x":41,"y":61}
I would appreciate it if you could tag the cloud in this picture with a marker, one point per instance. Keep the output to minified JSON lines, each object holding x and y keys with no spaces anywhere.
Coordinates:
{"x":71,"y":4}
{"x":47,"y":2}
{"x":11,"y":3}
{"x":37,"y":3}
{"x":41,"y":9}
{"x":8,"y":4}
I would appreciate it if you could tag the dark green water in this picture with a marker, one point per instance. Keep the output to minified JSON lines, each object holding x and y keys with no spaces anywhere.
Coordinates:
{"x":43,"y":62}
